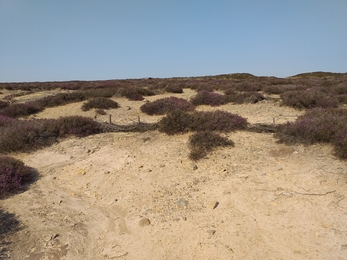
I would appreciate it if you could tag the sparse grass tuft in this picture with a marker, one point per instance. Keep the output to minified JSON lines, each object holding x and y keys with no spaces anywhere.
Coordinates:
{"x":13,"y":173}
{"x":203,"y":142}
{"x":165,"y":105}
{"x":100,"y":103}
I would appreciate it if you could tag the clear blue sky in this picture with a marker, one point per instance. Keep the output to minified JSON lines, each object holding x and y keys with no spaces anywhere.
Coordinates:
{"x":58,"y":40}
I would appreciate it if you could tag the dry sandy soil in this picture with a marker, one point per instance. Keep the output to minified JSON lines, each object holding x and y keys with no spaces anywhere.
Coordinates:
{"x":138,"y":196}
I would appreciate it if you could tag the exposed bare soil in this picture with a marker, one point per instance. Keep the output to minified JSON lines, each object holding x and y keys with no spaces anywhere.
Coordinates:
{"x":138,"y":196}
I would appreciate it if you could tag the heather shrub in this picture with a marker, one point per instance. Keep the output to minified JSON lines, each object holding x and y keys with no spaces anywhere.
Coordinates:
{"x":3,"y":104}
{"x":273,"y":89}
{"x":165,"y":105}
{"x":309,"y":98}
{"x":145,"y":91}
{"x":203,"y":142}
{"x":21,"y":109}
{"x":13,"y":173}
{"x":100,"y":103}
{"x":342,"y":98}
{"x":174,"y":89}
{"x":100,"y":112}
{"x":318,"y":126}
{"x":248,"y":86}
{"x":205,"y":97}
{"x":62,"y":99}
{"x":247,"y":97}
{"x":4,"y":120}
{"x":131,"y":94}
{"x":101,"y":92}
{"x":204,"y":87}
{"x":179,"y":122}
{"x":78,"y":126}
{"x":28,"y":135}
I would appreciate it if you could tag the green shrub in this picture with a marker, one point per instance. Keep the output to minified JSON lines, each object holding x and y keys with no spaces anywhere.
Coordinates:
{"x":100,"y":103}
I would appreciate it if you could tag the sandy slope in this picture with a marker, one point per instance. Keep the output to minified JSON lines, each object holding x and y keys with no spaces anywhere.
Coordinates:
{"x":138,"y":196}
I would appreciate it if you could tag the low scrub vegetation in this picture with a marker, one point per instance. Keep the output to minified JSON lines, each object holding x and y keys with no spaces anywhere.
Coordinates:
{"x":28,"y":135}
{"x":174,"y":89}
{"x":99,"y":103}
{"x":205,"y":97}
{"x":318,"y":126}
{"x":13,"y":173}
{"x":309,"y":98}
{"x":3,"y":104}
{"x":21,"y":109}
{"x":201,"y":143}
{"x":179,"y":121}
{"x":241,"y":98}
{"x":165,"y":105}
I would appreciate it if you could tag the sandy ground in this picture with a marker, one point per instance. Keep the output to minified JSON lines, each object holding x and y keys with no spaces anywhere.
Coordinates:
{"x":138,"y":196}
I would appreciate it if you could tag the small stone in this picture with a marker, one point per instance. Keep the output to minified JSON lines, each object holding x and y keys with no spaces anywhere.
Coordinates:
{"x":193,"y":166}
{"x":295,"y":152}
{"x":226,"y":192}
{"x":286,"y":193}
{"x":279,"y":168}
{"x":162,"y":165}
{"x":182,"y":203}
{"x":213,"y":204}
{"x":211,"y":231}
{"x":144,"y":222}
{"x":184,"y":218}
{"x":106,"y":172}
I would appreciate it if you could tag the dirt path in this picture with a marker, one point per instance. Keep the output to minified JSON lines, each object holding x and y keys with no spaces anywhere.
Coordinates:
{"x":138,"y":196}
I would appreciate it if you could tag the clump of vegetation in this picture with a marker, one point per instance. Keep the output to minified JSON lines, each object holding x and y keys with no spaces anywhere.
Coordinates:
{"x":145,"y":91}
{"x":318,"y":126}
{"x":4,"y":120}
{"x":241,"y":98}
{"x":100,"y":111}
{"x":13,"y":173}
{"x":100,"y":103}
{"x":165,"y":105}
{"x":309,"y":98}
{"x":248,"y":87}
{"x":3,"y":104}
{"x":174,"y":89}
{"x":21,"y":109}
{"x":205,"y":97}
{"x":131,"y":94}
{"x":28,"y":135}
{"x":62,"y":99}
{"x":203,"y":142}
{"x":179,"y":121}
